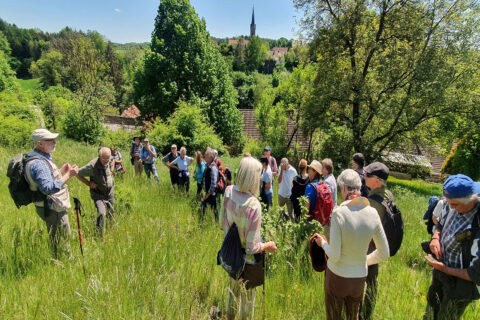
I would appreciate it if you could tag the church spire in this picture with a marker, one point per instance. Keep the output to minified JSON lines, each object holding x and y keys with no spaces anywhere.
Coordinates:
{"x":253,"y":25}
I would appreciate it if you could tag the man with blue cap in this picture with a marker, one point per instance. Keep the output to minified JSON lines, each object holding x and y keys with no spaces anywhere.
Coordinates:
{"x":454,"y":246}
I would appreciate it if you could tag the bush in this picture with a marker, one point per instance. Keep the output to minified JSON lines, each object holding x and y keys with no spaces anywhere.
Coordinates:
{"x":418,"y":186}
{"x":187,"y":127}
{"x":119,"y":139}
{"x":82,"y":126}
{"x":17,"y":120}
{"x":54,"y":102}
{"x":465,"y":157}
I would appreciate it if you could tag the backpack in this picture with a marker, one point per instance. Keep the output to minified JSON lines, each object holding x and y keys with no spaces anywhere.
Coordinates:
{"x":221,"y":182}
{"x":392,"y":223}
{"x":323,"y":204}
{"x":231,"y":257}
{"x":18,"y":186}
{"x":428,"y":215}
{"x":231,"y":254}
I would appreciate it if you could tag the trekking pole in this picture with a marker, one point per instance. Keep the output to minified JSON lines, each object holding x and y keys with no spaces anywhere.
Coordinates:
{"x":78,"y":212}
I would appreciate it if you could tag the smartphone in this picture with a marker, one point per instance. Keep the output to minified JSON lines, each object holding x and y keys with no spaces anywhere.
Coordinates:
{"x":430,"y":259}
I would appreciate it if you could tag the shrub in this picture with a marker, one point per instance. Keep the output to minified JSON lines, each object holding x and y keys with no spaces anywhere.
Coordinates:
{"x":187,"y":127}
{"x":54,"y":102}
{"x":17,"y":120}
{"x":418,"y":186}
{"x":119,"y":139}
{"x":465,"y":157}
{"x":82,"y":126}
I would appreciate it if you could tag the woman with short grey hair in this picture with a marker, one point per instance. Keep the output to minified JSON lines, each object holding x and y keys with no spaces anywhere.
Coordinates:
{"x":354,"y":223}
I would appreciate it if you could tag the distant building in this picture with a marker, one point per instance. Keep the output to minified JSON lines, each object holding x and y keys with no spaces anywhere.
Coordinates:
{"x":294,"y":135}
{"x":277,"y":52}
{"x":253,"y":26}
{"x":237,"y":42}
{"x":133,"y":112}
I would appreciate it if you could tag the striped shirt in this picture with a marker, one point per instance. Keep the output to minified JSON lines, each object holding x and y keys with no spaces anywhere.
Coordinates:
{"x":245,"y":211}
{"x":42,"y":174}
{"x":452,"y":249}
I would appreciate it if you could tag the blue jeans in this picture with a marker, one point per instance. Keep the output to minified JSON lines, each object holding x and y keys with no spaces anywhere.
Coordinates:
{"x":267,"y":198}
{"x":150,"y":168}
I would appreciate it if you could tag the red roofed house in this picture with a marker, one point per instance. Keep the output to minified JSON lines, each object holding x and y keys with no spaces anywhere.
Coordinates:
{"x":133,"y":112}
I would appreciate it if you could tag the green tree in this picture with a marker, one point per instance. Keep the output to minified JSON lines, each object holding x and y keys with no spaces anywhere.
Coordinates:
{"x":183,"y":64}
{"x":187,"y":127}
{"x":50,"y":69}
{"x":384,"y":68}
{"x":7,"y":75}
{"x":257,"y":53}
{"x":114,"y":72}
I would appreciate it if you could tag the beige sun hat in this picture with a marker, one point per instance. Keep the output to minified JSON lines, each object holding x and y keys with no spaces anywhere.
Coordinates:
{"x":315,"y":165}
{"x":42,"y":135}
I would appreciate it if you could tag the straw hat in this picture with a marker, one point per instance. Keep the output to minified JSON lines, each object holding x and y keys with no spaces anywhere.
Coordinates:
{"x":317,"y":166}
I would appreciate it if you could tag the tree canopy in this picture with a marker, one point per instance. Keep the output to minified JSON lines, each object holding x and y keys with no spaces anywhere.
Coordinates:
{"x":384,"y":68}
{"x":183,"y":64}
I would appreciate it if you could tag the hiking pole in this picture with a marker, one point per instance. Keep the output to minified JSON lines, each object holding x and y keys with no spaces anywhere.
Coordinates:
{"x":78,"y":212}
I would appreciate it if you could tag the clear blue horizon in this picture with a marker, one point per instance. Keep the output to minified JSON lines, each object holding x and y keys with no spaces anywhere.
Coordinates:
{"x":125,"y":21}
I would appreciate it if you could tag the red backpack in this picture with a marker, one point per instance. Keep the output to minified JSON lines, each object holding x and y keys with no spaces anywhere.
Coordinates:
{"x":323,"y":205}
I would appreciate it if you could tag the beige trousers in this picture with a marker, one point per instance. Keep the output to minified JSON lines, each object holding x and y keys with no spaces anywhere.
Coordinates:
{"x":240,"y":300}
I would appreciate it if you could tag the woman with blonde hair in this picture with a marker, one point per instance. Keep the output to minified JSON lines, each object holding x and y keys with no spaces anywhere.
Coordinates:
{"x":242,"y":207}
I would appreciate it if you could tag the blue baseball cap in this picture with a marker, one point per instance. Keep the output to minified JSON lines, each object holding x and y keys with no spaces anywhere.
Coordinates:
{"x":460,"y":186}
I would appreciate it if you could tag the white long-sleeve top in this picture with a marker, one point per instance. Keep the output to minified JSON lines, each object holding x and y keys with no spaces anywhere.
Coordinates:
{"x":354,"y":223}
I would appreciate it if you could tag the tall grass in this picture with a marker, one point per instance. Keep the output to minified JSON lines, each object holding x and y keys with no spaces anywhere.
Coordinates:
{"x":158,"y":261}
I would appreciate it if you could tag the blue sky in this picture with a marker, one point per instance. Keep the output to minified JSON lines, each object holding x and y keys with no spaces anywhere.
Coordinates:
{"x":132,"y":20}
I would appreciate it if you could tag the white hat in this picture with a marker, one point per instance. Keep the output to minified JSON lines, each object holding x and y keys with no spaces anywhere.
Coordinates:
{"x":43,"y":134}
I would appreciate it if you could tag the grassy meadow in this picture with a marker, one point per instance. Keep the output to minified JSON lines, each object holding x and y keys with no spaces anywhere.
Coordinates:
{"x":158,"y":261}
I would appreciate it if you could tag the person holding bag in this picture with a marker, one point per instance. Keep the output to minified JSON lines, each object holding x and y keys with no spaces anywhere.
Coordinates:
{"x":243,"y":211}
{"x":354,"y":223}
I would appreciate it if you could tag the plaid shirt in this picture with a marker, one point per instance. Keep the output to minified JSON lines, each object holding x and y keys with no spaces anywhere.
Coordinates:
{"x":42,"y":174}
{"x":245,"y":211}
{"x":452,"y":249}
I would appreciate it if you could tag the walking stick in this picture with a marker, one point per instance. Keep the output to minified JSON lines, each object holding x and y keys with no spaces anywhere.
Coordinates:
{"x":78,"y":212}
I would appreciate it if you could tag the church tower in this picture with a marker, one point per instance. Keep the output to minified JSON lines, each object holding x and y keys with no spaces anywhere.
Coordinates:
{"x":253,"y":25}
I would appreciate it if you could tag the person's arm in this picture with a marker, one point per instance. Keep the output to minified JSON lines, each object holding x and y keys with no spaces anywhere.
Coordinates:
{"x":382,"y":251}
{"x":172,"y":164}
{"x":280,"y":176}
{"x":151,"y":150}
{"x":435,"y":246}
{"x":89,"y":184}
{"x":333,"y":249}
{"x":41,"y":174}
{"x":459,"y":273}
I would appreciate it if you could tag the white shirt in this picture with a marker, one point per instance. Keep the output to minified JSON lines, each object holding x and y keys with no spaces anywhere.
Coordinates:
{"x":332,"y":185}
{"x":182,"y":164}
{"x":268,"y":177}
{"x":285,"y":187}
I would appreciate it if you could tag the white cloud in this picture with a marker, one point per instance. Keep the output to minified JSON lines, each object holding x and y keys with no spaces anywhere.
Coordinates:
{"x":116,"y":10}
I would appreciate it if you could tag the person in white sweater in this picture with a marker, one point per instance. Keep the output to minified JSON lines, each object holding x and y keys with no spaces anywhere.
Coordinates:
{"x":354,"y":223}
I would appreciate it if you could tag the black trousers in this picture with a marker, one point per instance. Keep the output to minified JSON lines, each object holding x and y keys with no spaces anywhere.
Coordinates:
{"x":212,"y":202}
{"x":448,"y":297}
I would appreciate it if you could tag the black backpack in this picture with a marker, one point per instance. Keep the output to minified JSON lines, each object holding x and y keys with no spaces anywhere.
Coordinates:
{"x":231,"y":255}
{"x":18,"y":186}
{"x":392,"y":223}
{"x":428,"y":215}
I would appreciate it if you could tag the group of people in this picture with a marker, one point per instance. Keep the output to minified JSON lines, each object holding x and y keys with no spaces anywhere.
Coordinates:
{"x":49,"y":186}
{"x":354,"y":238}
